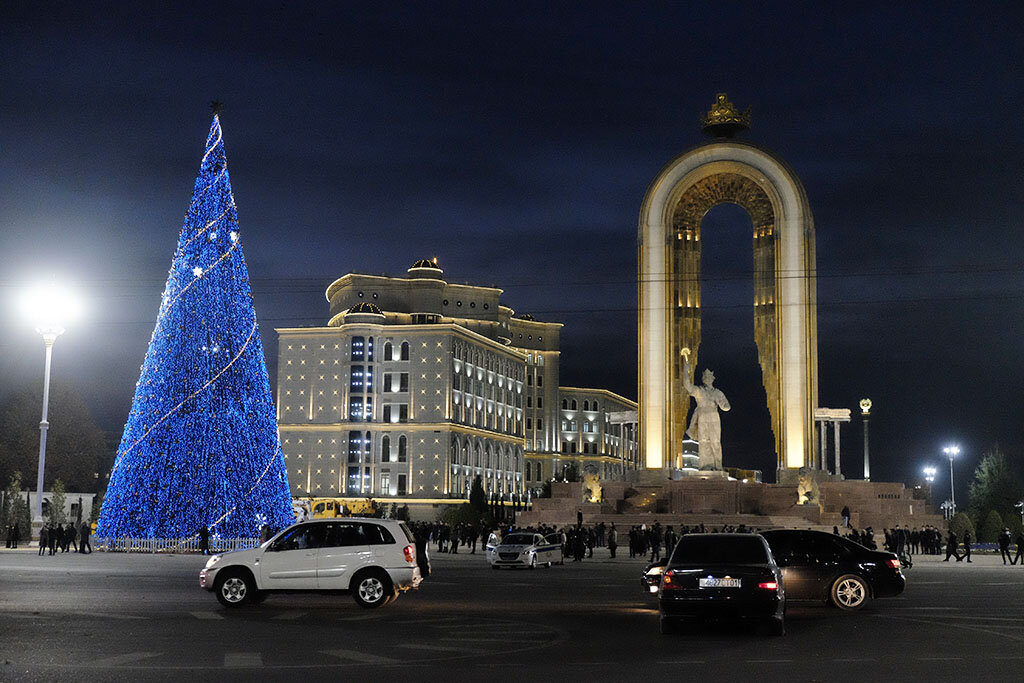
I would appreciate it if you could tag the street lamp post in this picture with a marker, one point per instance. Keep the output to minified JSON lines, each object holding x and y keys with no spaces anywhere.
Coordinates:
{"x":50,"y":307}
{"x":865,"y":413}
{"x":951,"y":452}
{"x":929,"y":477}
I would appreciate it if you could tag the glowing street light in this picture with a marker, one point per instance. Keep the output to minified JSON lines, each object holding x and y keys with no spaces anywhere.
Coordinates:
{"x":929,"y":474}
{"x":49,"y":307}
{"x":951,"y":452}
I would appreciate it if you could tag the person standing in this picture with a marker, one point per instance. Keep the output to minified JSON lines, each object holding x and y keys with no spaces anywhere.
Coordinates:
{"x":204,"y":540}
{"x":967,"y":544}
{"x":54,"y":538}
{"x":656,"y":540}
{"x":846,"y":516}
{"x":1004,"y":545}
{"x":1020,"y":548}
{"x":83,"y":542}
{"x":951,"y":544}
{"x":44,"y":539}
{"x":69,"y":539}
{"x":613,"y":540}
{"x":17,"y":536}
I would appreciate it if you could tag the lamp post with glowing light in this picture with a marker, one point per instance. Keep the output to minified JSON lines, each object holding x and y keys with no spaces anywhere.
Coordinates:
{"x":951,"y":452}
{"x":50,"y":307}
{"x":929,"y":477}
{"x":865,"y":413}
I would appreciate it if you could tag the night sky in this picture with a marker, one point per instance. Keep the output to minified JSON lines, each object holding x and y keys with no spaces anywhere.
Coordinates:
{"x":514,"y":142}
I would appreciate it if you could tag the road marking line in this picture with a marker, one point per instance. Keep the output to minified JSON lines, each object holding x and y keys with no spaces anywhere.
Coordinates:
{"x":769,"y":661}
{"x":432,"y":620}
{"x":108,"y":615}
{"x":939,"y":659}
{"x":1013,"y":658}
{"x":930,"y":583}
{"x":1004,"y":583}
{"x":853,"y":659}
{"x":242,"y":659}
{"x":496,"y":640}
{"x":290,"y":615}
{"x":360,"y":657}
{"x":206,"y":615}
{"x":362,"y":617}
{"x":682,"y":661}
{"x":439,"y":648}
{"x":121,"y":660}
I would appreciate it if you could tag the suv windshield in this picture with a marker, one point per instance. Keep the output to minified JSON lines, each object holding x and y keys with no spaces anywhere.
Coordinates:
{"x":719,"y":550}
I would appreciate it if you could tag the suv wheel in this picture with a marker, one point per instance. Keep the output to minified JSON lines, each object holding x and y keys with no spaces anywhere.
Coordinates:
{"x":372,"y":588}
{"x":849,"y":592}
{"x":235,"y":588}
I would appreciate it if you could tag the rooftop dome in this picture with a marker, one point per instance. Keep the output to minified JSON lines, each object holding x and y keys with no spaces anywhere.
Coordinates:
{"x":426,"y":268}
{"x":366,"y":308}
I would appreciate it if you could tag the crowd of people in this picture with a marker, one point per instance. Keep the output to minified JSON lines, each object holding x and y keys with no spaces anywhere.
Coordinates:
{"x":59,"y":538}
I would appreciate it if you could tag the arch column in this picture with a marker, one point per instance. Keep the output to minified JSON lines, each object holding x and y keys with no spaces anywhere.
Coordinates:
{"x":789,"y":350}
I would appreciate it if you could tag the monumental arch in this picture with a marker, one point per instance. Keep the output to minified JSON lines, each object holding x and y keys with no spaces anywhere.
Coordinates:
{"x":784,"y":307}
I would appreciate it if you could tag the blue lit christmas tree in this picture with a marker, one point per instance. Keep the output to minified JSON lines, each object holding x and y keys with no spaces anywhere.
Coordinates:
{"x":200,"y":447}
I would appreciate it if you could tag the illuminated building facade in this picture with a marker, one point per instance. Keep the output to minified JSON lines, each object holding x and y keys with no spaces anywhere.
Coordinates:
{"x":416,"y":386}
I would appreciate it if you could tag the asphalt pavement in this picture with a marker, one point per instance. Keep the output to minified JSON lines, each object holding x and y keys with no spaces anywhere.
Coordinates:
{"x":115,"y":617}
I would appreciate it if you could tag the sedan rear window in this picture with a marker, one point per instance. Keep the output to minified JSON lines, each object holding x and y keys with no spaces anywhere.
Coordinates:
{"x":719,"y":550}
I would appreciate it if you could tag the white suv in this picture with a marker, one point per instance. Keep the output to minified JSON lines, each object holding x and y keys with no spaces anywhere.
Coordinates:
{"x":371,"y":558}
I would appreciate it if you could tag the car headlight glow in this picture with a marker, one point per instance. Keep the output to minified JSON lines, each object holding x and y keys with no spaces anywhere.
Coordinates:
{"x":213,"y":560}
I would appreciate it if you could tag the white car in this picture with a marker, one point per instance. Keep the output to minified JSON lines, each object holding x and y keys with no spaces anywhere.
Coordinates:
{"x":524,"y":549}
{"x":373,"y":559}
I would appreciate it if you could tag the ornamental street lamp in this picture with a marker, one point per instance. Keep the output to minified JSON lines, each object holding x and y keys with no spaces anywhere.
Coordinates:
{"x":951,"y":452}
{"x":865,"y":413}
{"x":1020,"y":506}
{"x":929,"y":477}
{"x":49,"y":307}
{"x":947,"y":509}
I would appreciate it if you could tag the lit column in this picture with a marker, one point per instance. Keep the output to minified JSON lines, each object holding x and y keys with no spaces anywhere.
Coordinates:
{"x":865,"y":413}
{"x":835,"y":426}
{"x":823,"y":453}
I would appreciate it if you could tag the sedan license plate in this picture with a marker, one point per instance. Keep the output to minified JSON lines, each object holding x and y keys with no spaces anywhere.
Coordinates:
{"x":711,"y":582}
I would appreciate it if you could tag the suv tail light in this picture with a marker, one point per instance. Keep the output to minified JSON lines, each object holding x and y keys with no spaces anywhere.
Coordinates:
{"x":410,"y":553}
{"x":668,"y":581}
{"x":893,"y":563}
{"x":769,"y":585}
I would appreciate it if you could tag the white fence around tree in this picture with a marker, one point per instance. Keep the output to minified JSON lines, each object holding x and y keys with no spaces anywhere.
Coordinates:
{"x":171,"y":545}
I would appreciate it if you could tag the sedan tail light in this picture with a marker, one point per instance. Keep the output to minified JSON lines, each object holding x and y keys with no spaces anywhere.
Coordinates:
{"x":669,"y":581}
{"x":769,"y":585}
{"x":410,"y":553}
{"x":893,"y":563}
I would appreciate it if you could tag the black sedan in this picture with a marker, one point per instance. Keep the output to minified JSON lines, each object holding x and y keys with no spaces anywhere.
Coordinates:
{"x":821,"y":566}
{"x":722,"y":575}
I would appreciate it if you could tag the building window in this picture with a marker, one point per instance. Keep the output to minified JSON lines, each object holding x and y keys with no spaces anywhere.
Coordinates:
{"x":387,"y":413}
{"x":586,"y":405}
{"x":540,"y":359}
{"x":355,"y":447}
{"x":385,"y":449}
{"x":540,"y":399}
{"x":529,"y":401}
{"x":529,"y":380}
{"x":388,"y":351}
{"x":402,"y":489}
{"x":358,"y":348}
{"x":540,"y":423}
{"x":593,"y":406}
{"x":387,"y":383}
{"x":529,"y":424}
{"x":403,"y":451}
{"x":565,"y":404}
{"x":356,"y":381}
{"x":405,"y":351}
{"x":540,"y":380}
{"x":369,"y":349}
{"x":385,"y":483}
{"x":353,"y":480}
{"x":574,"y":404}
{"x":355,"y":409}
{"x":403,"y":412}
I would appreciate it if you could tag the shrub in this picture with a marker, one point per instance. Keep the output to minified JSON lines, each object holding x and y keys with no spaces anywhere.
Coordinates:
{"x":961,"y":523}
{"x":990,"y":528}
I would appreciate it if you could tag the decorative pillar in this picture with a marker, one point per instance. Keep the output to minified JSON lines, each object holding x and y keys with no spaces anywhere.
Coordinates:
{"x":823,"y":453}
{"x":835,"y":426}
{"x":865,"y":412}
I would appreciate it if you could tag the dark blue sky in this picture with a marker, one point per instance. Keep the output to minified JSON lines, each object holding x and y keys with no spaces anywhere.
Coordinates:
{"x":514,"y":141}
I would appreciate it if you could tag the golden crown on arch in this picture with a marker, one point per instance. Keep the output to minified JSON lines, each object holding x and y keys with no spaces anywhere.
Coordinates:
{"x":724,"y":119}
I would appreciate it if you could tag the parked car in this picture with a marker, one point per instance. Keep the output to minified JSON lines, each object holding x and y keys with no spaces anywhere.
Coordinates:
{"x":373,"y":559}
{"x":722,"y":575}
{"x":821,"y":566}
{"x":521,"y":549}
